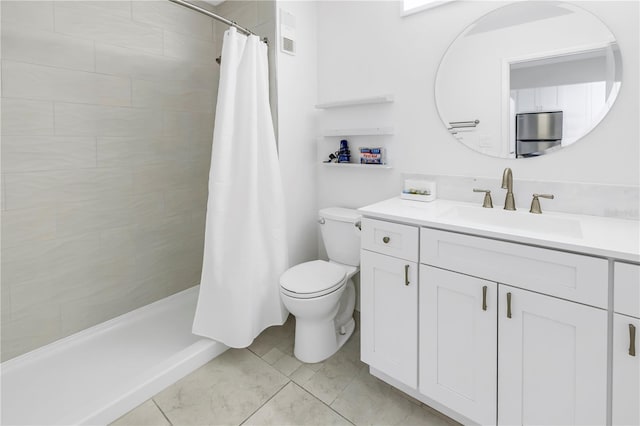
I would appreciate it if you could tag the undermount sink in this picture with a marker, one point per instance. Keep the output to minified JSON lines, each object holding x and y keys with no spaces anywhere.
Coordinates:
{"x":520,"y":221}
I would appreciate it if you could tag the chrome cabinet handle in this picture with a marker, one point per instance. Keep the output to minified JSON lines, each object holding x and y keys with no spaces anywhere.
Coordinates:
{"x":406,"y":274}
{"x":509,"y":305}
{"x":386,"y":240}
{"x":632,"y":340}
{"x":484,"y":298}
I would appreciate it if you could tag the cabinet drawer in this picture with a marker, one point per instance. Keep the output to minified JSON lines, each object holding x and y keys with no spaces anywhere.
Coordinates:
{"x":570,"y":276}
{"x":626,"y":289}
{"x":389,"y":238}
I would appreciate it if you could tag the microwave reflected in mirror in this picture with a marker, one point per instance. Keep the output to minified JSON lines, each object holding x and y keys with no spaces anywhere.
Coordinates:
{"x":528,"y":79}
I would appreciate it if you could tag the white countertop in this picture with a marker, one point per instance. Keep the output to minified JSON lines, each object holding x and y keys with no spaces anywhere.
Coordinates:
{"x":592,"y":235}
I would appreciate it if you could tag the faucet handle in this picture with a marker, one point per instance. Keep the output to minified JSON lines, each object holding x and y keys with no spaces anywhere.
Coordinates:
{"x":487,"y":202}
{"x":535,"y":203}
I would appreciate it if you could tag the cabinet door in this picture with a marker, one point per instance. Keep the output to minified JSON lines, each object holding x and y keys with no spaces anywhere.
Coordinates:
{"x":552,"y":363}
{"x":526,"y":100}
{"x":389,"y":315}
{"x":458,"y":342}
{"x":547,"y":98}
{"x":626,"y":370}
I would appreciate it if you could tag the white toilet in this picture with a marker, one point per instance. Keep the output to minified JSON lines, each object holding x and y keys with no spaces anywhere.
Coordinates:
{"x":321,"y":294}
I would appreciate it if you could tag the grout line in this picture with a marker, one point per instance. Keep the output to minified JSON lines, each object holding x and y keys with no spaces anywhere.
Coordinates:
{"x":129,"y":105}
{"x":250,"y":350}
{"x":102,"y":105}
{"x":272,"y":396}
{"x":346,"y":386}
{"x":59,"y":67}
{"x":327,"y":405}
{"x":163,"y":414}
{"x":304,"y":389}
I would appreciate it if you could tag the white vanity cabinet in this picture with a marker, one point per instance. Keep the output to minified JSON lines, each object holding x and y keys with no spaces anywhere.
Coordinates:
{"x":535,"y":358}
{"x":389,"y":299}
{"x":551,"y":351}
{"x":458,"y":342}
{"x":494,"y":332}
{"x":626,"y":360}
{"x":552,"y":360}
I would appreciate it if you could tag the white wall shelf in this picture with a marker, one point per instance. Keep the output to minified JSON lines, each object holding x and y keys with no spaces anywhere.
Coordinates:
{"x":358,"y":166}
{"x":382,"y":99}
{"x":372,"y":131}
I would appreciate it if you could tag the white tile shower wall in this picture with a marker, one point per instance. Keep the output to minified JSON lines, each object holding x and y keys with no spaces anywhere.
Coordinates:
{"x":107,"y":118}
{"x":386,"y":53}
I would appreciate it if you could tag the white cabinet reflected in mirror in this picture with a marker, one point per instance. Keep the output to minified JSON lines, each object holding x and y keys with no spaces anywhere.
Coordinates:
{"x":528,"y":79}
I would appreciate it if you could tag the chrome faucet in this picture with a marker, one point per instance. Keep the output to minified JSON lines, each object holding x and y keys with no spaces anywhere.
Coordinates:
{"x":507,"y":183}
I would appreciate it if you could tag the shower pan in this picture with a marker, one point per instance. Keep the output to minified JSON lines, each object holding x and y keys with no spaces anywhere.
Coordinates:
{"x":98,"y":374}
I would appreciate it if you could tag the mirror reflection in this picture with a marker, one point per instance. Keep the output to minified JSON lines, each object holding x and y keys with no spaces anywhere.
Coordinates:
{"x":528,"y":79}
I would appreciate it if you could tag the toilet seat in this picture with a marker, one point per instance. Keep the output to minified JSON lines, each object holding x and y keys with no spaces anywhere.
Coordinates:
{"x":312,"y":279}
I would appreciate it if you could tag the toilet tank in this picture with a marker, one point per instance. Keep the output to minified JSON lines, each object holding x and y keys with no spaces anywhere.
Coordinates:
{"x":340,"y":234}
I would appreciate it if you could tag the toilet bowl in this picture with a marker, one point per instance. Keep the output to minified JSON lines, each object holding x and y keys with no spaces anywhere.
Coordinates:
{"x":320,"y":294}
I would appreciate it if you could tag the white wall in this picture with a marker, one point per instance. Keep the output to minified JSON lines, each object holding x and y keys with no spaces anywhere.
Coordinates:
{"x":366,"y":48}
{"x":297,"y":88}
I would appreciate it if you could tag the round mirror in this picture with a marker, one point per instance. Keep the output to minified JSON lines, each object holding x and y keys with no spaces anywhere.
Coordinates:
{"x":528,"y":79}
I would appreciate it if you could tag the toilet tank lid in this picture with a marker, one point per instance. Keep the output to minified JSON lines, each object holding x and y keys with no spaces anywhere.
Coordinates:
{"x":340,"y":214}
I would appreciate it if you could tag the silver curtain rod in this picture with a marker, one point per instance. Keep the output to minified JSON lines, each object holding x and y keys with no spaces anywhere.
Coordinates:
{"x":216,"y":16}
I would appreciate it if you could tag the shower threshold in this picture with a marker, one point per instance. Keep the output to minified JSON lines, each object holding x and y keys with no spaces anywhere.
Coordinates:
{"x":99,"y":374}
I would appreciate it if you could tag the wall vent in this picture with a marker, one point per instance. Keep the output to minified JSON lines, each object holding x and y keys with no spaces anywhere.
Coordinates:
{"x":287,"y":32}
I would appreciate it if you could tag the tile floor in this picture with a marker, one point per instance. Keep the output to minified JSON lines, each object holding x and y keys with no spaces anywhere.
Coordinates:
{"x":265,"y":385}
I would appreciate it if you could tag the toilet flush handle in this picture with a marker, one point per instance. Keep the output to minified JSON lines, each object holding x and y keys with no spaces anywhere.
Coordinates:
{"x":358,"y":225}
{"x":321,"y":221}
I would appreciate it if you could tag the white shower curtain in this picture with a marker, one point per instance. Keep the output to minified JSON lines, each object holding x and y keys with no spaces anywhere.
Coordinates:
{"x":245,"y":249}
